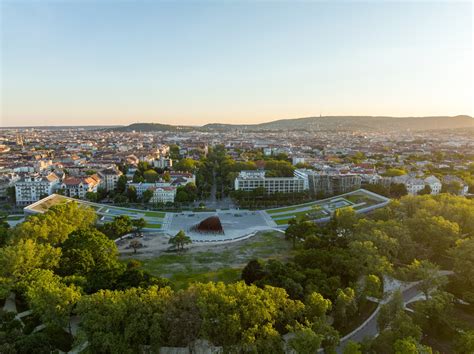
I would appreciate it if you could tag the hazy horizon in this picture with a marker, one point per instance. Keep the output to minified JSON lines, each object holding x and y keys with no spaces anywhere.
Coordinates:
{"x":101,"y":63}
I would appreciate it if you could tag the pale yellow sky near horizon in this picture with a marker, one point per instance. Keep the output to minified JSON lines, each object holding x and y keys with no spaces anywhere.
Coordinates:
{"x":90,"y":63}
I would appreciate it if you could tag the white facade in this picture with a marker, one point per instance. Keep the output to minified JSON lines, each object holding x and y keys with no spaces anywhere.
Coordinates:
{"x":162,"y":192}
{"x":78,"y":187}
{"x":30,"y":189}
{"x":250,"y":180}
{"x":434,"y":183}
{"x":414,"y":185}
{"x":163,"y":162}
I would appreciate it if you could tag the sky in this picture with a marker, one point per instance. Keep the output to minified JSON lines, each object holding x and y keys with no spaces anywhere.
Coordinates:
{"x":108,"y":62}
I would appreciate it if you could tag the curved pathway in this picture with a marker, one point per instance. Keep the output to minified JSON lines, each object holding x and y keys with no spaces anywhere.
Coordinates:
{"x":410,"y":291}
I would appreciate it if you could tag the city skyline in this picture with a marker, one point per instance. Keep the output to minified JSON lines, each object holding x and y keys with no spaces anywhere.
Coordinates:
{"x":71,"y":63}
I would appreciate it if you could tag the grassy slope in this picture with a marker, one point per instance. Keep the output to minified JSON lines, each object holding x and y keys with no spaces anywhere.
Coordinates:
{"x":223,"y":264}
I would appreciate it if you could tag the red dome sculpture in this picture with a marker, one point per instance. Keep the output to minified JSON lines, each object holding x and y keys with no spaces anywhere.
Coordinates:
{"x":211,"y":225}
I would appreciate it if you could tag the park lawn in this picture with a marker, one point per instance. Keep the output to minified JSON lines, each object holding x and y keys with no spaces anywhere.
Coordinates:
{"x":217,"y":262}
{"x":291,"y":215}
{"x":153,"y":226}
{"x":281,"y":210}
{"x":282,"y":221}
{"x":15,"y":217}
{"x":155,"y":214}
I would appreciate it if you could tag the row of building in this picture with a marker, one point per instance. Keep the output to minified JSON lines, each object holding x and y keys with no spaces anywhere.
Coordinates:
{"x":32,"y":187}
{"x":334,"y":182}
{"x":314,"y":182}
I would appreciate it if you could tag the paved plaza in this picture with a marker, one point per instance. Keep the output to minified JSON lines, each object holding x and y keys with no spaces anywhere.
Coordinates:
{"x":237,"y":224}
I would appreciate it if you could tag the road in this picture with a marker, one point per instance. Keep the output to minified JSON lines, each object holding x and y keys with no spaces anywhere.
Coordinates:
{"x":369,"y":328}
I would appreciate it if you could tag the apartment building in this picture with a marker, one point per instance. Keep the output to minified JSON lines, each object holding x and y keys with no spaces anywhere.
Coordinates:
{"x":163,"y":192}
{"x":463,"y":187}
{"x":434,"y":183}
{"x":77,"y":187}
{"x":328,"y":183}
{"x":109,"y":177}
{"x":162,"y":162}
{"x":32,"y":188}
{"x":412,"y":184}
{"x":250,"y":180}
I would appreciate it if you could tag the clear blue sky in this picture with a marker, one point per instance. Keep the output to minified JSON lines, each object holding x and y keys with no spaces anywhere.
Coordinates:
{"x":113,"y":62}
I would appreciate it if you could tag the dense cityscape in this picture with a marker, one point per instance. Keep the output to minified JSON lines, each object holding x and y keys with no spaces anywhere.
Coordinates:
{"x":246,"y":177}
{"x":325,"y":215}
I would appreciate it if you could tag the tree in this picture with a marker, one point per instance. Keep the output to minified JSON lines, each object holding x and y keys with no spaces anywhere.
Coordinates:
{"x":122,"y":184}
{"x":398,"y":190}
{"x":147,"y":195}
{"x":463,"y":255}
{"x":151,"y":176}
{"x":138,"y":225}
{"x":345,"y":305}
{"x":392,"y":172}
{"x":435,"y":314}
{"x":464,"y":343}
{"x":316,"y":307}
{"x":50,"y":299}
{"x":91,"y":254}
{"x":180,"y":240}
{"x":305,"y":341}
{"x":137,"y":177}
{"x":132,"y":194}
{"x":181,"y":195}
{"x":55,"y":225}
{"x":352,"y":348}
{"x":299,"y":229}
{"x":425,"y":190}
{"x":372,"y":286}
{"x":343,"y":221}
{"x":91,"y":196}
{"x":253,"y":271}
{"x":410,"y":345}
{"x":135,"y":244}
{"x":11,"y":194}
{"x":427,"y":273}
{"x":121,"y":225}
{"x":24,"y":256}
{"x":4,"y":232}
{"x":123,"y":321}
{"x":389,"y":310}
{"x":185,"y":165}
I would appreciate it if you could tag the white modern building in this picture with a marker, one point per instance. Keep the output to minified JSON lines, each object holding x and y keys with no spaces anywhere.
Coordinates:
{"x":253,"y":179}
{"x":32,"y":188}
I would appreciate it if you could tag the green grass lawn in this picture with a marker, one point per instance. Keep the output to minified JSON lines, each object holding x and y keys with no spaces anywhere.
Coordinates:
{"x":15,"y":217}
{"x":153,"y":226}
{"x":217,"y":262}
{"x":155,"y":214}
{"x":291,"y":215}
{"x":282,"y":221}
{"x":281,"y":210}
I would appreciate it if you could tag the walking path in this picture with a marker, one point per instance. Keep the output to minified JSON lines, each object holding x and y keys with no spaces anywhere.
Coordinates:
{"x":410,"y":293}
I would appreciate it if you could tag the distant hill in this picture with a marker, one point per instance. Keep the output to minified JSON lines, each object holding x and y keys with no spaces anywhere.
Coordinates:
{"x":371,"y":123}
{"x":343,"y":123}
{"x":152,"y":127}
